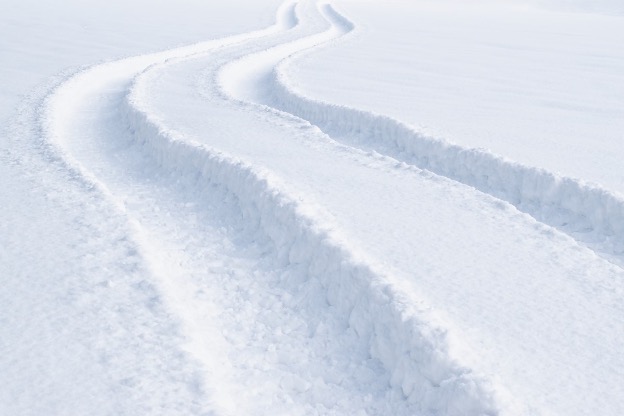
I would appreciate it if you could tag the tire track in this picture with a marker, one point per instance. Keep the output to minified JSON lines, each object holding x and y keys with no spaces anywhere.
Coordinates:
{"x":304,"y":235}
{"x":297,"y":309}
{"x":325,"y":208}
{"x":590,"y":214}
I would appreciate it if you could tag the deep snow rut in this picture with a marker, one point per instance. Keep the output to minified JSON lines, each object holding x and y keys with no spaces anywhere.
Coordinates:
{"x":313,"y":277}
{"x":266,"y":338}
{"x":588,"y":213}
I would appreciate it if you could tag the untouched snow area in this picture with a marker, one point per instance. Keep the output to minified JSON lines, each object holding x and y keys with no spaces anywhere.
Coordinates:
{"x":398,"y":208}
{"x":533,"y":99}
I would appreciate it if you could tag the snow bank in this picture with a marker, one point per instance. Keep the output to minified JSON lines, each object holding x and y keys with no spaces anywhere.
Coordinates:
{"x":412,"y":348}
{"x":586,"y":211}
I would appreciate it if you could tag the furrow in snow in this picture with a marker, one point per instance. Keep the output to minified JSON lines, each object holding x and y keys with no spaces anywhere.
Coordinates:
{"x":369,"y":285}
{"x":491,"y":272}
{"x":403,"y":336}
{"x":407,"y":342}
{"x":77,"y":312}
{"x":587,"y":212}
{"x":81,"y":120}
{"x":78,"y":123}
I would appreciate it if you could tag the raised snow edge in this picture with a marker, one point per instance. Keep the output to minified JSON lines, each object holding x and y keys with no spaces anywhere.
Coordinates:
{"x":410,"y":345}
{"x":587,"y":212}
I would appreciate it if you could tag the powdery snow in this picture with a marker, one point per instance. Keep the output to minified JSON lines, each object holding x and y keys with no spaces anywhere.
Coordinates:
{"x":224,"y":228}
{"x":543,"y":88}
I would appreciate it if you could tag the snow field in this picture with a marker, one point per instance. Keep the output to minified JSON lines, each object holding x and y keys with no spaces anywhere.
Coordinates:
{"x":476,"y":258}
{"x":517,"y":80}
{"x":411,"y":349}
{"x":338,"y":289}
{"x":76,"y":319}
{"x":84,"y":329}
{"x":588,"y":212}
{"x":408,"y":346}
{"x":247,"y":249}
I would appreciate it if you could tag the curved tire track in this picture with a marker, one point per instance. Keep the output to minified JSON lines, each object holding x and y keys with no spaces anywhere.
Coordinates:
{"x":412,"y":347}
{"x":315,"y":267}
{"x":357,"y":294}
{"x":233,"y":83}
{"x":592,"y":215}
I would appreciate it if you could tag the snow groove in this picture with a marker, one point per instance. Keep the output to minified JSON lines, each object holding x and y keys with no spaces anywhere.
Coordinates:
{"x":408,"y":341}
{"x":587,"y":212}
{"x":405,"y":339}
{"x":108,"y":123}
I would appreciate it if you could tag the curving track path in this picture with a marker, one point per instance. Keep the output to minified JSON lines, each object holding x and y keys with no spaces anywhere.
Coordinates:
{"x":313,"y":275}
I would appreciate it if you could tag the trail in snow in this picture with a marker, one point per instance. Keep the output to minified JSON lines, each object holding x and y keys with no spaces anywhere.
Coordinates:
{"x":411,"y":348}
{"x":313,"y":277}
{"x":75,"y":318}
{"x":267,"y":340}
{"x":480,"y":262}
{"x":587,"y":212}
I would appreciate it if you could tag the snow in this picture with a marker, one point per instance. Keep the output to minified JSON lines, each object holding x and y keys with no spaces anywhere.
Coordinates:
{"x":517,"y":81}
{"x":258,"y":223}
{"x":83,"y":330}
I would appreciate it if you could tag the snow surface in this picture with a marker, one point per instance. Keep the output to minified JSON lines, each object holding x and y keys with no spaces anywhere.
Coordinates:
{"x":544,"y":88}
{"x":589,"y":212}
{"x":256,"y":224}
{"x":82,"y":328}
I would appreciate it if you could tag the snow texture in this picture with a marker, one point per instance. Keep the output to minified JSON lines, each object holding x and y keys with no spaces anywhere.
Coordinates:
{"x":191,"y":231}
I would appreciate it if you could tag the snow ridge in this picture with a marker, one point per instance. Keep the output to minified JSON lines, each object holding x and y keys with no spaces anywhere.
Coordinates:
{"x":406,"y":338}
{"x":412,"y":348}
{"x":413,"y":344}
{"x":588,"y":212}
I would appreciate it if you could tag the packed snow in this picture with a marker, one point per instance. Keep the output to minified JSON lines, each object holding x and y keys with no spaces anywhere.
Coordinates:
{"x":353,"y":207}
